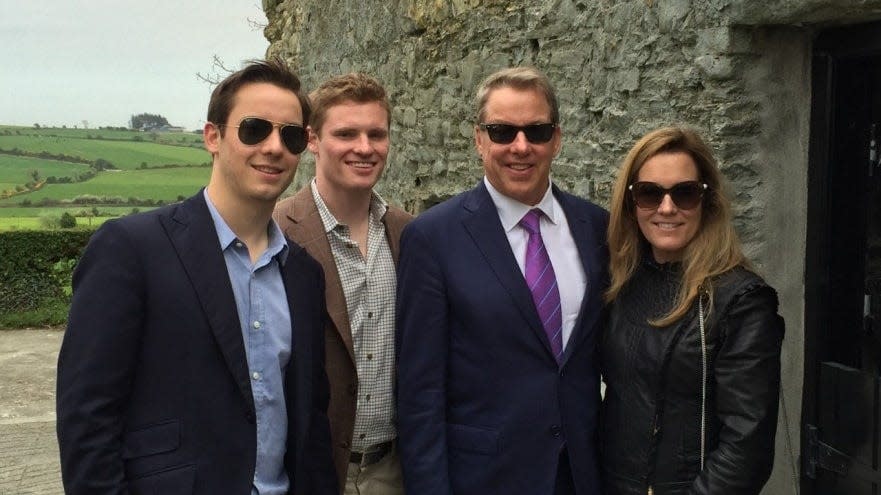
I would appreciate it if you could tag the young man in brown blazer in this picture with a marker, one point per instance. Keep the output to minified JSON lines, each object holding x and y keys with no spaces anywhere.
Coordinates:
{"x":345,"y":225}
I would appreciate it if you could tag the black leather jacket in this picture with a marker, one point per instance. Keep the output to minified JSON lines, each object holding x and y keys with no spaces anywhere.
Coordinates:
{"x":651,"y":415}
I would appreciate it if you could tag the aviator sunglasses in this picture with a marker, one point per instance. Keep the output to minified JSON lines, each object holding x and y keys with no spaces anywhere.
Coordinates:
{"x":253,"y":130}
{"x":650,"y":195}
{"x":506,"y":133}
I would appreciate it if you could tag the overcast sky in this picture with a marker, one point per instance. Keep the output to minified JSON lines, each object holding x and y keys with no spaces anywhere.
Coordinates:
{"x":65,"y":61}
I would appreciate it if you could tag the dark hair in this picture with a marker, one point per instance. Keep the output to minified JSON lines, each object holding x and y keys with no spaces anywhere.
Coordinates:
{"x":355,"y":87}
{"x":519,"y":78}
{"x":273,"y":71}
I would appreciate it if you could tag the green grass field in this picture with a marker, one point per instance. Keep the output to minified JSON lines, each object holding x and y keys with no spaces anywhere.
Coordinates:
{"x":171,"y":138}
{"x":16,"y":170}
{"x":34,"y":223}
{"x":164,"y":184}
{"x":126,"y":155}
{"x":127,"y":150}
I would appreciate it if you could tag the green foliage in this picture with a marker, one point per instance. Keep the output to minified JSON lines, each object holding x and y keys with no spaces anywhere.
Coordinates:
{"x":29,"y":277}
{"x":147,"y":121}
{"x":51,"y":312}
{"x":62,"y":275}
{"x":67,"y":221}
{"x":50,"y":221}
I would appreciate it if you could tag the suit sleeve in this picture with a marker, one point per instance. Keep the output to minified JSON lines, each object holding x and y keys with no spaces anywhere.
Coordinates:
{"x":96,"y":363}
{"x":422,"y":346}
{"x":318,"y":449}
{"x":747,"y":374}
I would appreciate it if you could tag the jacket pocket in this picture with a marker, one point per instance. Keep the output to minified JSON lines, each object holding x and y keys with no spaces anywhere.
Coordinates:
{"x":152,"y":439}
{"x":472,"y":439}
{"x":173,"y":481}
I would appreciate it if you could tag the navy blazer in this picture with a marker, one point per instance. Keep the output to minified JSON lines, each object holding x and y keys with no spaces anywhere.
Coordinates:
{"x":153,"y":388}
{"x":483,"y":406}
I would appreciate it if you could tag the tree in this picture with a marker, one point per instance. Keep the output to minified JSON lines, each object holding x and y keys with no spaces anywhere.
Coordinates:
{"x":67,"y":221}
{"x":147,"y":121}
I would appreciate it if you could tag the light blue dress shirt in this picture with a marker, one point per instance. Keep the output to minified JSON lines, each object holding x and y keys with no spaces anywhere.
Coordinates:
{"x":265,"y":321}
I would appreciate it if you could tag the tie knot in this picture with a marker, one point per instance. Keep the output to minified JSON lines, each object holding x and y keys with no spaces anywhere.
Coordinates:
{"x":531,"y":220}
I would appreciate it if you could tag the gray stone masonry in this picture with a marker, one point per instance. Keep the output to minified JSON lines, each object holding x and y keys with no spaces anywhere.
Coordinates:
{"x":736,"y":70}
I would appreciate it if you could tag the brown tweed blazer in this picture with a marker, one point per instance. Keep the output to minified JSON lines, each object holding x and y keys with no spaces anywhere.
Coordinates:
{"x":299,"y":219}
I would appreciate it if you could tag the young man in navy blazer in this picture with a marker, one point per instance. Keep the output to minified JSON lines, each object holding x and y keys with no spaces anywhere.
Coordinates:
{"x":498,"y":388}
{"x":193,"y":361}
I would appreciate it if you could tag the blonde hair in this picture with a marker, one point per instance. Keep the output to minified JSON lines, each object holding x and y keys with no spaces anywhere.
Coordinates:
{"x":715,"y":248}
{"x":354,"y":87}
{"x":521,"y":79}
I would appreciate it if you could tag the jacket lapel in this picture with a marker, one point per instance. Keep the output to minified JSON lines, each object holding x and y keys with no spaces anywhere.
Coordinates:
{"x":482,"y":222}
{"x":311,"y":236}
{"x":191,"y":231}
{"x":587,"y":245}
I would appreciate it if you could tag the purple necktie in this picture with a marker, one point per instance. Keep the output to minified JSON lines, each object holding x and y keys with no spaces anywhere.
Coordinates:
{"x":542,"y":282}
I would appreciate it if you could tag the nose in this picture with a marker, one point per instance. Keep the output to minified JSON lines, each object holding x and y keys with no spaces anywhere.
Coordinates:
{"x":273,"y":144}
{"x":667,"y":206}
{"x":362,"y":144}
{"x":520,"y":144}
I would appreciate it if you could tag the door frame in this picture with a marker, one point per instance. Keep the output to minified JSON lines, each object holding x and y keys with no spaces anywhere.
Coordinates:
{"x":830,"y":48}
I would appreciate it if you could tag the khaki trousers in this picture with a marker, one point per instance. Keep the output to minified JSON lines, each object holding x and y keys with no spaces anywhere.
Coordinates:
{"x":382,"y":478}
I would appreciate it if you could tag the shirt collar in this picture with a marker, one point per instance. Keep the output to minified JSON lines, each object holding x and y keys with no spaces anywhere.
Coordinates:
{"x":278,"y":245}
{"x":378,"y":208}
{"x":511,"y":211}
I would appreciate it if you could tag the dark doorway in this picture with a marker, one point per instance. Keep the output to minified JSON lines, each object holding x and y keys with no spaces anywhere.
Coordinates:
{"x":841,"y":408}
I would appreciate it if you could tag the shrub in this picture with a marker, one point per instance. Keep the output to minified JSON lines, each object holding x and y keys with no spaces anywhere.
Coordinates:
{"x":67,"y":221}
{"x":27,"y":257}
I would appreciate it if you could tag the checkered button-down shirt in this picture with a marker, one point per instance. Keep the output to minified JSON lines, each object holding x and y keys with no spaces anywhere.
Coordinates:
{"x":369,"y":289}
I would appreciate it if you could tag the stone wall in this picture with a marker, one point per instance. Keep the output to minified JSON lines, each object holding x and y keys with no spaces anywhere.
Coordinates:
{"x":736,"y":70}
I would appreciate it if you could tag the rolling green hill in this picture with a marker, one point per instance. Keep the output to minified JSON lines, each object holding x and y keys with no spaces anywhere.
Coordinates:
{"x":150,"y":169}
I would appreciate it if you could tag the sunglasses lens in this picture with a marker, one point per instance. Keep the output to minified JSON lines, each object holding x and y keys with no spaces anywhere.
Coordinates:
{"x":253,"y":130}
{"x":687,"y":195}
{"x":294,"y":137}
{"x":647,"y":194}
{"x":539,"y":133}
{"x":501,"y":133}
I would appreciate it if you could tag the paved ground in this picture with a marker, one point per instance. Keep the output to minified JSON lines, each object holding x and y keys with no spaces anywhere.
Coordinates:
{"x":28,"y":449}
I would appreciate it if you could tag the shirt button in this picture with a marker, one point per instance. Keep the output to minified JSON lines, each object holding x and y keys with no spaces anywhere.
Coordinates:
{"x":367,"y":397}
{"x":555,"y":430}
{"x":238,"y":245}
{"x":255,"y":375}
{"x":370,"y":314}
{"x":256,"y":325}
{"x":369,"y":356}
{"x":362,"y":436}
{"x":350,"y":245}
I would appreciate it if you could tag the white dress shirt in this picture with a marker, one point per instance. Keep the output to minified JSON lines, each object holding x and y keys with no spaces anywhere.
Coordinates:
{"x":571,"y":280}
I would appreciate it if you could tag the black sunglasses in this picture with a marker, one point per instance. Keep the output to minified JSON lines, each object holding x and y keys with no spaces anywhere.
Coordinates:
{"x":506,"y":133}
{"x":253,"y":130}
{"x":650,"y":195}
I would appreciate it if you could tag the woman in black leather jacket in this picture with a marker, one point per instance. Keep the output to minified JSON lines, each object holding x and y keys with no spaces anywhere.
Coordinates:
{"x":691,"y":350}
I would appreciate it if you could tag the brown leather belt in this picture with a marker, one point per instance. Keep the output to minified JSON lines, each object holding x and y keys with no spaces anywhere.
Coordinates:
{"x":375,"y":455}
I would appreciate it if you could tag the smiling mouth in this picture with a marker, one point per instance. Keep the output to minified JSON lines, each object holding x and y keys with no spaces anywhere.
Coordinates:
{"x":268,"y":170}
{"x":667,"y":225}
{"x":520,"y":166}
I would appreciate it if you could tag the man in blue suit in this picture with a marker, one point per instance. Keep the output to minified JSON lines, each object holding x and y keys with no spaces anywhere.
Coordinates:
{"x":498,"y":305}
{"x":193,"y":361}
